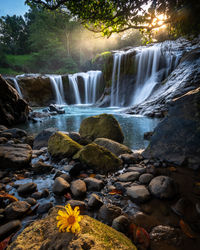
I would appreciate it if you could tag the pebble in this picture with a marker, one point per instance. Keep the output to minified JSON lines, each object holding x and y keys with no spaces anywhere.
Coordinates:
{"x":95,"y":201}
{"x":138,"y":193}
{"x":27,"y":188}
{"x":93,"y":184}
{"x":108,"y":213}
{"x":9,"y":228}
{"x":17,"y":209}
{"x":129,"y":176}
{"x":145,"y":178}
{"x":78,"y":188}
{"x":60,"y":186}
{"x":121,"y":224}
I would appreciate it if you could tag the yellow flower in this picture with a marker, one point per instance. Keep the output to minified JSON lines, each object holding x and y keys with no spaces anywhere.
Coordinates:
{"x":69,"y":221}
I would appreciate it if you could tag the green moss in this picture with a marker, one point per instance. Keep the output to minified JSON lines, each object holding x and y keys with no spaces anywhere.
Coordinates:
{"x":61,"y":145}
{"x":102,"y":55}
{"x":98,"y":158}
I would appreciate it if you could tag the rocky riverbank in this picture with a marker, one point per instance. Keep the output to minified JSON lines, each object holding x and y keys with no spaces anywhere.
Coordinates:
{"x":105,"y":179}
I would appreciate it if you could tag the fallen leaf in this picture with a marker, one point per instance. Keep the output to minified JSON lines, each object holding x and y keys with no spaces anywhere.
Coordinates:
{"x":92,"y":175}
{"x":115,"y":191}
{"x":172,"y":169}
{"x":83,"y":176}
{"x":8,"y":196}
{"x":186,"y":229}
{"x":142,"y":237}
{"x":5,"y":242}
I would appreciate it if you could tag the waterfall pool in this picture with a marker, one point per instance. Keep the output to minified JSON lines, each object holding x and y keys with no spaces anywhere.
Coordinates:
{"x":133,"y":126}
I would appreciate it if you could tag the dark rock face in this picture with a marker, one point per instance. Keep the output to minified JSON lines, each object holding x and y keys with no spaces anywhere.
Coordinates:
{"x":41,"y":140}
{"x":13,"y":109}
{"x":177,"y":138}
{"x":15,"y":155}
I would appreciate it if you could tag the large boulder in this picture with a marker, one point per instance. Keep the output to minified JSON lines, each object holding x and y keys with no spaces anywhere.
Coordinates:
{"x":15,"y":155}
{"x":61,"y":145}
{"x":101,"y":126}
{"x":98,"y":158}
{"x":36,"y":90}
{"x":43,"y":234}
{"x":13,"y":109}
{"x":115,"y":147}
{"x":177,"y":138}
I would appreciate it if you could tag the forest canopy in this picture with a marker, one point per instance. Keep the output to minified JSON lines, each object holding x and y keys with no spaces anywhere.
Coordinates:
{"x":114,"y":16}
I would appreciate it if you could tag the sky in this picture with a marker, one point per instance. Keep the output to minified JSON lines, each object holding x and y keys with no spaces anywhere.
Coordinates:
{"x":12,"y":7}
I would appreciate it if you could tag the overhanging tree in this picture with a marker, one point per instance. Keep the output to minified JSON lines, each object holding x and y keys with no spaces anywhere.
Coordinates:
{"x":109,"y":16}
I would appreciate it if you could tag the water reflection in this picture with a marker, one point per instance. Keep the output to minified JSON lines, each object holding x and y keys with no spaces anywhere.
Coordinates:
{"x":133,"y":127}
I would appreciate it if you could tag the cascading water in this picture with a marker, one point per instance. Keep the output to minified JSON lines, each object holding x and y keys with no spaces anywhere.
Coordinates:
{"x":91,"y":82}
{"x":153,"y":65}
{"x":17,"y":87}
{"x":57,"y":86}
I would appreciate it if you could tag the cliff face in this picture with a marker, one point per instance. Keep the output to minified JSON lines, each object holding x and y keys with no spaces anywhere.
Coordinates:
{"x":13,"y":109}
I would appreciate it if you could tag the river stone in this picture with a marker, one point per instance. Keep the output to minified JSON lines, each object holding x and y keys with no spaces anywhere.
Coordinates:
{"x":115,"y":147}
{"x":15,"y":155}
{"x":107,"y":213}
{"x":27,"y":188}
{"x":17,"y":209}
{"x":95,"y":201}
{"x":93,"y":184}
{"x":61,"y":145}
{"x":98,"y":158}
{"x":43,"y":234}
{"x":2,"y":128}
{"x":75,"y":203}
{"x":78,"y":188}
{"x":145,"y":178}
{"x":146,"y":221}
{"x":136,"y":168}
{"x":129,"y":176}
{"x":138,"y":193}
{"x":13,"y":109}
{"x":101,"y":126}
{"x":121,"y":223}
{"x":9,"y":228}
{"x":60,"y":186}
{"x":41,"y":140}
{"x":131,"y":158}
{"x":15,"y":133}
{"x":44,"y":208}
{"x":163,"y":187}
{"x":41,"y":167}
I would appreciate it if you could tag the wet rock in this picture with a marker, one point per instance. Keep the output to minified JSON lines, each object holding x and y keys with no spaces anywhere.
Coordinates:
{"x":115,"y":147}
{"x":37,"y":195}
{"x":129,"y":176}
{"x":60,"y":186}
{"x":2,"y":128}
{"x":66,"y":177}
{"x":41,"y":140}
{"x":54,"y":107}
{"x":165,"y":237}
{"x":121,"y":224}
{"x":148,"y":135}
{"x":73,"y":169}
{"x":98,"y":158}
{"x":29,"y":140}
{"x":101,"y":126}
{"x":136,"y":168}
{"x":13,"y":109}
{"x":9,"y":228}
{"x":28,"y":188}
{"x":131,"y":158}
{"x":15,"y":155}
{"x":163,"y":187}
{"x":17,"y":209}
{"x":15,"y":133}
{"x":43,"y":234}
{"x":108,"y":213}
{"x":138,"y":193}
{"x":75,"y":136}
{"x":78,"y":188}
{"x":74,"y":203}
{"x":60,"y":145}
{"x":31,"y":201}
{"x":41,"y":167}
{"x":95,"y":201}
{"x":44,"y":208}
{"x":93,"y":184}
{"x":145,"y":178}
{"x":3,"y":140}
{"x":3,"y":174}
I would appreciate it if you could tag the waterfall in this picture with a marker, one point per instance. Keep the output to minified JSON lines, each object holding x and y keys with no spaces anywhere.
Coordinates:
{"x":17,"y":87}
{"x":116,"y":78}
{"x":57,"y":86}
{"x":91,"y":82}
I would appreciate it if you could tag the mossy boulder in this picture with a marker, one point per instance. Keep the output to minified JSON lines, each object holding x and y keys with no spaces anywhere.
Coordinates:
{"x":101,"y":126}
{"x":98,"y":158}
{"x":115,"y":147}
{"x":43,"y":234}
{"x":61,"y":145}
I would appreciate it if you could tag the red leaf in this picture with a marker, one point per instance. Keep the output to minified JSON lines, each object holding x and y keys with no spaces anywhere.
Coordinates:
{"x":142,"y":237}
{"x":5,"y":242}
{"x":115,"y":191}
{"x":8,"y":196}
{"x":186,"y":229}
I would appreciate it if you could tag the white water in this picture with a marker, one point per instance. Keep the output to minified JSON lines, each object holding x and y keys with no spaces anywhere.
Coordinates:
{"x":91,"y":82}
{"x":57,"y":86}
{"x":17,"y":87}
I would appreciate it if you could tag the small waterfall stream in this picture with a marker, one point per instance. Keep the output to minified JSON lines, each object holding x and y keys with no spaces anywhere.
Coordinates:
{"x":57,"y":86}
{"x":91,"y":81}
{"x":17,"y":86}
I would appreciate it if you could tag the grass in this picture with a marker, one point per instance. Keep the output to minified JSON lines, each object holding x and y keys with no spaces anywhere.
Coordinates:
{"x":9,"y":71}
{"x":19,"y":60}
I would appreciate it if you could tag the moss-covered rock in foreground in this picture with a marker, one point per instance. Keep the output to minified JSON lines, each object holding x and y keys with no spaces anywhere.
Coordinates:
{"x":101,"y":126}
{"x":61,"y":145}
{"x":43,"y":234}
{"x":98,"y":158}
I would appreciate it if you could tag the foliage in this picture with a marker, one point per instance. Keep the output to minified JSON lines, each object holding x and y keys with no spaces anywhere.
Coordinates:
{"x":113,"y":16}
